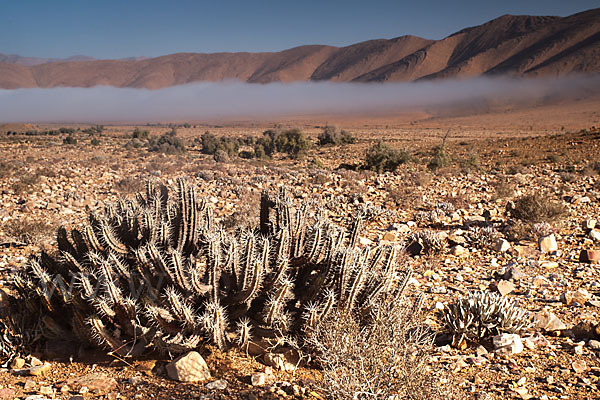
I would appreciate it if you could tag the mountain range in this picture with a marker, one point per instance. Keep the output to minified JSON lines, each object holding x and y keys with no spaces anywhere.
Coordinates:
{"x":512,"y":45}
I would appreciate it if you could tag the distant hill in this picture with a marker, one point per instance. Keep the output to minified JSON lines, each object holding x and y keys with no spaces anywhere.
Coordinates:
{"x":508,"y":45}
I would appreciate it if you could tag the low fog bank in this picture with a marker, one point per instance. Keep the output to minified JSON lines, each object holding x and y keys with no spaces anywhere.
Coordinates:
{"x":232,"y":99}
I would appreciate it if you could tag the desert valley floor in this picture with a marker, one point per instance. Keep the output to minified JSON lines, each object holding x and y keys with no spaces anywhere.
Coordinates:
{"x":493,"y":160}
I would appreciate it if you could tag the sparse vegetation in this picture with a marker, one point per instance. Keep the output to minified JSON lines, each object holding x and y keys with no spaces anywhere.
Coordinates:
{"x":332,"y":135}
{"x":380,"y":157}
{"x":482,"y":315}
{"x":70,"y":140}
{"x":381,"y":358}
{"x":167,"y":143}
{"x":537,"y":207}
{"x":28,"y":231}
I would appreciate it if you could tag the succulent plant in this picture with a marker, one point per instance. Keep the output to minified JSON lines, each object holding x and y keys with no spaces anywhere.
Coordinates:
{"x":159,"y":273}
{"x":541,"y":229}
{"x":483,"y":314}
{"x":482,"y":238}
{"x":430,"y":242}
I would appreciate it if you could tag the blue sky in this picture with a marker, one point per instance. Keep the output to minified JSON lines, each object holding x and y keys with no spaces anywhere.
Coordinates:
{"x":115,"y":29}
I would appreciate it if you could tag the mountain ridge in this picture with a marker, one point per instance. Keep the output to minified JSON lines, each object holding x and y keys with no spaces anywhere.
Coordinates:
{"x":515,"y":45}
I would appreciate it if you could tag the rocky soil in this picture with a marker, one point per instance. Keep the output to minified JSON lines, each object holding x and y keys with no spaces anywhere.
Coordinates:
{"x":549,"y":269}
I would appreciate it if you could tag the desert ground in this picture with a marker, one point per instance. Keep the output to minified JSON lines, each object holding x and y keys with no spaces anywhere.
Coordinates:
{"x":490,"y":161}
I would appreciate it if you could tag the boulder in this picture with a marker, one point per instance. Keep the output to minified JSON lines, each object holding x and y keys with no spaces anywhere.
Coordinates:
{"x":549,"y":322}
{"x":547,"y":244}
{"x":589,"y":256}
{"x":190,"y":367}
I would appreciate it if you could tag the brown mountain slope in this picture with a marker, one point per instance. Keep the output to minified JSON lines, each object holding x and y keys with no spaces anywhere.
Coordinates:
{"x":347,"y":63}
{"x":514,"y":45}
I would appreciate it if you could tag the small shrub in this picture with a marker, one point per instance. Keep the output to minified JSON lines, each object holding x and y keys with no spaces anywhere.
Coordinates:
{"x":212,"y":144}
{"x":384,"y":358}
{"x":140,"y":134}
{"x":28,"y":231}
{"x":331,"y":135}
{"x":441,"y":158}
{"x":472,"y":162}
{"x":25,"y":184}
{"x":381,"y":157}
{"x":167,"y":143}
{"x":293,"y":142}
{"x":70,"y":140}
{"x":317,"y":163}
{"x":537,"y":208}
{"x":94,"y":142}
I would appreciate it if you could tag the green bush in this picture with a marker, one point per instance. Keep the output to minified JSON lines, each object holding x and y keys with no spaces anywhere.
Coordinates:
{"x":441,"y":158}
{"x":69,"y":140}
{"x":381,"y":157}
{"x":331,"y":135}
{"x":293,"y":142}
{"x":212,"y":144}
{"x":140,"y":134}
{"x":167,"y":143}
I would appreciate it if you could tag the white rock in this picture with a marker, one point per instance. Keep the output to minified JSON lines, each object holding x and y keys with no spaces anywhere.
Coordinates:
{"x":508,"y":343}
{"x":548,"y":244}
{"x":595,"y":235}
{"x":190,"y":367}
{"x":502,"y":246}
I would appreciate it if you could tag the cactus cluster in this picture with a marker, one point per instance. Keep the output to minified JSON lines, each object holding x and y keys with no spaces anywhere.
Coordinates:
{"x":435,"y":214}
{"x":429,"y":242}
{"x":541,"y":229}
{"x":482,"y":238}
{"x":483,"y":314}
{"x":159,"y":273}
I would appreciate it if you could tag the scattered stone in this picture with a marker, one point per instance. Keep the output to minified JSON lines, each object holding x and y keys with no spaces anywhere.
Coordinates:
{"x":190,"y":367}
{"x":94,"y":382}
{"x":390,"y":237}
{"x":457,"y":250}
{"x":29,"y":385}
{"x":584,"y":330}
{"x":481,"y":351}
{"x":507,"y":343}
{"x":547,"y":244}
{"x":594,"y":344}
{"x":220,"y":384}
{"x":589,"y":224}
{"x":17,"y":363}
{"x":40,"y":370}
{"x":35,"y":362}
{"x":549,"y":322}
{"x":46,"y":390}
{"x":502,"y":246}
{"x":589,"y":256}
{"x":579,"y":366}
{"x":7,"y":394}
{"x":579,"y":296}
{"x":505,"y":287}
{"x":513,"y":273}
{"x":284,"y":361}
{"x":258,"y":379}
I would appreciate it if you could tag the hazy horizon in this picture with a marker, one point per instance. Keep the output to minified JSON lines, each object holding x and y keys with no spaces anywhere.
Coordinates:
{"x":234,"y":99}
